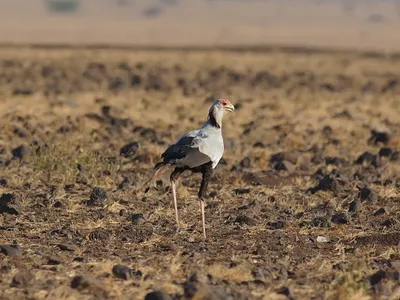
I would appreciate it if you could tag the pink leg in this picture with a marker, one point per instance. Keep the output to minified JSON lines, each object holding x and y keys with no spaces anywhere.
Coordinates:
{"x":175,"y":204}
{"x":203,"y":218}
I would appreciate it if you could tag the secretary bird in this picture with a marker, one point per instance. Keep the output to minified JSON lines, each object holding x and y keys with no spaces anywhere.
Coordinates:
{"x":198,"y":151}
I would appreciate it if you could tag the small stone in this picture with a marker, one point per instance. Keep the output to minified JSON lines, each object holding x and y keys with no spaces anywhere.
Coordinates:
{"x":378,"y":137}
{"x":9,"y":204}
{"x":67,"y":247}
{"x":123,"y":213}
{"x":125,"y":272}
{"x":22,"y":278}
{"x":353,"y":207}
{"x":385,"y":152}
{"x":365,"y":159}
{"x":157,"y":295}
{"x":10,"y":250}
{"x":326,"y":184}
{"x":54,"y":260}
{"x":380,"y":212}
{"x":241,"y":191}
{"x":169,"y":247}
{"x":98,"y":195}
{"x":129,"y":149}
{"x":339,"y":218}
{"x":285,"y":291}
{"x":322,"y":239}
{"x":137,"y":219}
{"x":276,"y":225}
{"x":21,"y":152}
{"x":377,"y":277}
{"x":366,"y":194}
{"x":124,"y":184}
{"x":99,"y":234}
{"x":388,"y":223}
{"x":243,"y":219}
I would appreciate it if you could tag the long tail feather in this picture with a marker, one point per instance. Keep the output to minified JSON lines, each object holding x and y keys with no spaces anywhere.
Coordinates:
{"x":161,"y":168}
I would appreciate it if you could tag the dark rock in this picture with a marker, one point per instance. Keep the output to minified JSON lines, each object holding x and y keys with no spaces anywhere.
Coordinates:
{"x":57,"y":204}
{"x":243,"y":219}
{"x":22,"y":278}
{"x":67,"y":247}
{"x":285,"y":291}
{"x":129,"y":149}
{"x":339,"y":218}
{"x":21,"y":152}
{"x":98,"y":195}
{"x":3,"y":182}
{"x":336,"y":161}
{"x":123,"y":213}
{"x":395,"y":156}
{"x":238,"y":106}
{"x":326,"y":184}
{"x":116,"y":83}
{"x":377,"y":277}
{"x":152,"y":12}
{"x":135,"y":80}
{"x":366,"y":194}
{"x":125,"y":272}
{"x":385,"y":152}
{"x":246,"y":162}
{"x":78,"y":282}
{"x":365,"y":159}
{"x":10,"y":204}
{"x":155,"y":82}
{"x":388,"y":223}
{"x":99,"y":234}
{"x":241,"y":191}
{"x":157,"y":295}
{"x":258,"y":145}
{"x":378,"y":137}
{"x":327,"y":130}
{"x":291,"y":156}
{"x":380,"y":212}
{"x":137,"y":219}
{"x":353,"y":207}
{"x":276,"y":225}
{"x":284,"y":161}
{"x":169,"y":247}
{"x":22,"y":92}
{"x":190,"y":289}
{"x":323,"y":222}
{"x":83,"y":282}
{"x":54,"y":260}
{"x":345,"y":114}
{"x":124,"y":184}
{"x":10,"y":250}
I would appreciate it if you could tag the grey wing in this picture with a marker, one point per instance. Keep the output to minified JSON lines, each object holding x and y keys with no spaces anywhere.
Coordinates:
{"x":186,"y":151}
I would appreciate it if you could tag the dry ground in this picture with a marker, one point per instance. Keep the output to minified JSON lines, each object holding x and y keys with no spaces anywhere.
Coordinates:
{"x":304,"y":204}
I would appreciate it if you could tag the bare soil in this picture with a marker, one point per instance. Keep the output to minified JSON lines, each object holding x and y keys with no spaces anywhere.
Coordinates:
{"x":304,"y":204}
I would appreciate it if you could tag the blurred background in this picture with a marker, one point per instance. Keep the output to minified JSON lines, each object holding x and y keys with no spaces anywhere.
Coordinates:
{"x":355,"y":24}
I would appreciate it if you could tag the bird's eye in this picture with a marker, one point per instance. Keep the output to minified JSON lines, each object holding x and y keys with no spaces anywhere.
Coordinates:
{"x":224,"y":102}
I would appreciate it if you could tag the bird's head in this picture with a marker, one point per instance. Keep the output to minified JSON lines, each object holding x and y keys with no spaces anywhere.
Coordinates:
{"x":218,"y":109}
{"x":223,"y":105}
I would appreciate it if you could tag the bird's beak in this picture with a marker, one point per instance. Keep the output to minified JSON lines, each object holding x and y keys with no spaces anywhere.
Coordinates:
{"x":230,"y":108}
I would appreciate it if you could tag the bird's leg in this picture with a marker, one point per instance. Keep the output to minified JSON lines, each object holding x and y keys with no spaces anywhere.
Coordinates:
{"x":174,"y":177}
{"x":207,"y":172}
{"x":175,"y":204}
{"x":203,"y":218}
